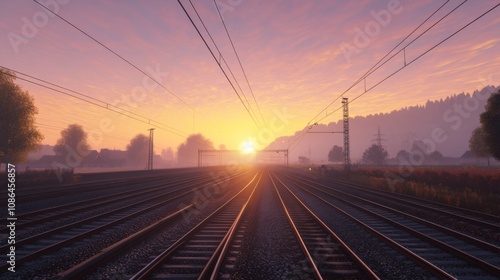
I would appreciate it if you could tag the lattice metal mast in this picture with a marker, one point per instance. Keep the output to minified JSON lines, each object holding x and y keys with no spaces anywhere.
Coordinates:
{"x":347,"y":153}
{"x":151,"y":152}
{"x":378,"y":138}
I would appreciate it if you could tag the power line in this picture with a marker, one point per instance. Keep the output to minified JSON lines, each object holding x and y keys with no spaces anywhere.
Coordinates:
{"x":239,"y":61}
{"x":96,"y":102}
{"x":398,"y":70}
{"x":215,"y":58}
{"x":60,"y":128}
{"x":415,"y":59}
{"x":104,"y":104}
{"x":113,"y":52}
{"x":222,"y":56}
{"x":225,"y":62}
{"x":403,"y":49}
{"x":371,"y":70}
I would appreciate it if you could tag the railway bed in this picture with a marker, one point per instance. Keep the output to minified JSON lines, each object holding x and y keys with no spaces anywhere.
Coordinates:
{"x":244,"y":223}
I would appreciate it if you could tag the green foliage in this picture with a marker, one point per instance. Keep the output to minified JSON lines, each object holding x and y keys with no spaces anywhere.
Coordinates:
{"x":375,"y":155}
{"x":18,"y":133}
{"x":336,"y":154}
{"x":490,"y":120}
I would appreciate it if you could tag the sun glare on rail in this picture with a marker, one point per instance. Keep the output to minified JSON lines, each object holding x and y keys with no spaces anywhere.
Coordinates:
{"x":247,"y":147}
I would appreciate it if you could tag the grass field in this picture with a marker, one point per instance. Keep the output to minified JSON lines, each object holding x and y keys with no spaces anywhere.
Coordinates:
{"x":467,"y":187}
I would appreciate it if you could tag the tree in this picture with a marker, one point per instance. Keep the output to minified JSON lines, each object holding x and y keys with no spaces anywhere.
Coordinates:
{"x":335,"y":154}
{"x":168,"y":154}
{"x":187,"y":152}
{"x":375,"y":155}
{"x":490,"y":120}
{"x":73,"y":145}
{"x":138,"y":149}
{"x":403,"y":155}
{"x":477,"y":144}
{"x":436,"y":156}
{"x":420,"y":146}
{"x":18,"y":133}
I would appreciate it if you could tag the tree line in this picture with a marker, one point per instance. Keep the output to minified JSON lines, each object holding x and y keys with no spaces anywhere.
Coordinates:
{"x":484,"y":141}
{"x":19,"y":134}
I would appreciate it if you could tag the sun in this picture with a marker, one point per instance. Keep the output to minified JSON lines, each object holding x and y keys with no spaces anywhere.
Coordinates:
{"x":247,"y":147}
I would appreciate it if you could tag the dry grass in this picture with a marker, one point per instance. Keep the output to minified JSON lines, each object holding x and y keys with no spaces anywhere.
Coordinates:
{"x":472,"y":188}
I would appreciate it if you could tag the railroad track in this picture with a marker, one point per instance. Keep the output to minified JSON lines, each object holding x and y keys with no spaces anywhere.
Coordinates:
{"x":84,"y":231}
{"x":262,"y":223}
{"x":196,"y":254}
{"x":52,"y":214}
{"x":327,"y":255}
{"x":461,"y":215}
{"x":35,"y":194}
{"x":445,"y":252}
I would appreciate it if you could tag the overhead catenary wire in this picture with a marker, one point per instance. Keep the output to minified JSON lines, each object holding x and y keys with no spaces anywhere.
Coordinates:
{"x":398,"y":70}
{"x":366,"y":74}
{"x":95,"y":102}
{"x":218,"y":63}
{"x":102,"y":103}
{"x":413,"y":60}
{"x":125,"y":60}
{"x":374,"y":67}
{"x":60,"y":128}
{"x":221,"y":58}
{"x":239,"y":61}
{"x":113,"y":52}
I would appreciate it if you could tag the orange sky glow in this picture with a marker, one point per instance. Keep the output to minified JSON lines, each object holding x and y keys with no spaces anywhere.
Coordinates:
{"x":293,"y":52}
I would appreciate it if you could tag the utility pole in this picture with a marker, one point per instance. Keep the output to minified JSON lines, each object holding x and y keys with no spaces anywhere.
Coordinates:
{"x":347,"y":156}
{"x":347,"y":153}
{"x":378,"y":138}
{"x":151,"y":152}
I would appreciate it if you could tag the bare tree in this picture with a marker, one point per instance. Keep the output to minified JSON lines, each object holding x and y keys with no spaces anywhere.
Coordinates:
{"x":18,"y":134}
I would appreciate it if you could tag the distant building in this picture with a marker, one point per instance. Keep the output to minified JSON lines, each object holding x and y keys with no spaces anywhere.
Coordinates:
{"x":111,"y":158}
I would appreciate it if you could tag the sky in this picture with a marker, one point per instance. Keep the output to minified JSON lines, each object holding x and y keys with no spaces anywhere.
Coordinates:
{"x":298,"y":57}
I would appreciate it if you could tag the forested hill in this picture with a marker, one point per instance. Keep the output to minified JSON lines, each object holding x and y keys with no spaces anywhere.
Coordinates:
{"x":448,"y":123}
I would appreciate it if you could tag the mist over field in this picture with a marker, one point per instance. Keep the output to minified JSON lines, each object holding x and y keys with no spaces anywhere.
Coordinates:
{"x":448,"y":123}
